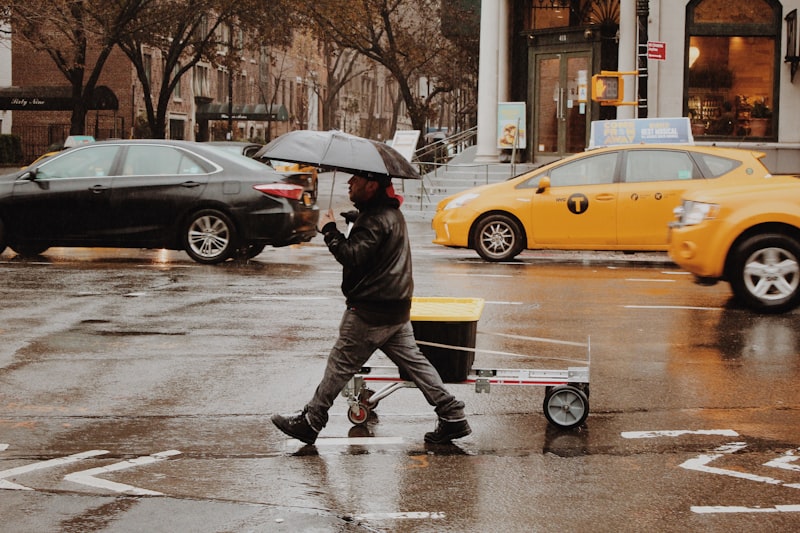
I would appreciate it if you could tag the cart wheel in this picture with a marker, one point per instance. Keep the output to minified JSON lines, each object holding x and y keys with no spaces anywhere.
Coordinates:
{"x":358,"y":413}
{"x":365,"y":395}
{"x":566,"y":407}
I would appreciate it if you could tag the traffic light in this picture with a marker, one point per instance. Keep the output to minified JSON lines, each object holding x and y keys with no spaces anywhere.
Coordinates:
{"x":607,"y":88}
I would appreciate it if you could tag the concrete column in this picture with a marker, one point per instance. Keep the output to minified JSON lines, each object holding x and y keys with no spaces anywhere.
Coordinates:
{"x":503,"y":52}
{"x":627,"y":54}
{"x":488,"y":72}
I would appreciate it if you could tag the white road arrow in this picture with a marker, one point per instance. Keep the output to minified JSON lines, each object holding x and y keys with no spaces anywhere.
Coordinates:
{"x":4,"y":484}
{"x":677,"y":433}
{"x":86,"y":477}
{"x":783,"y":462}
{"x":700,"y":463}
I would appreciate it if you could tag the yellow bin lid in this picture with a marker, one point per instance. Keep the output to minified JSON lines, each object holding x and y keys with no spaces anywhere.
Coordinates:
{"x":446,"y":309}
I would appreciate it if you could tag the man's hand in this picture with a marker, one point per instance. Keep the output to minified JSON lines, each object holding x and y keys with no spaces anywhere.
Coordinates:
{"x":325,"y":217}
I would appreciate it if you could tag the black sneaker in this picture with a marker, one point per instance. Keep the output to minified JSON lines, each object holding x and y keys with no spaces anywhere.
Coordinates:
{"x":447,"y":431}
{"x":296,"y":426}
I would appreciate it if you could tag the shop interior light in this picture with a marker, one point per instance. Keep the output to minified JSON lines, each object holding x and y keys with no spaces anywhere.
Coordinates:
{"x":694,"y":53}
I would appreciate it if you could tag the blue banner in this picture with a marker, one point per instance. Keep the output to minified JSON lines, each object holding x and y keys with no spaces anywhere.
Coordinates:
{"x":641,"y":131}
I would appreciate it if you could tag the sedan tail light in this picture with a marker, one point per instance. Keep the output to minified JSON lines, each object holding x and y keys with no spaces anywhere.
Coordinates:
{"x":286,"y":190}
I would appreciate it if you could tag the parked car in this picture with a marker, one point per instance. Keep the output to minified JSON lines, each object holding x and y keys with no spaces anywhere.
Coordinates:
{"x":244,"y":148}
{"x":612,"y":198}
{"x":178,"y":195}
{"x":748,"y":236}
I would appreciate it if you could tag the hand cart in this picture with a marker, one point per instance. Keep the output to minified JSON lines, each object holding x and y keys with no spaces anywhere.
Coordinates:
{"x":566,"y":399}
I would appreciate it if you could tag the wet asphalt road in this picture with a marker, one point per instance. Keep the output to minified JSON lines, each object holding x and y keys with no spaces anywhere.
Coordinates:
{"x":136,"y":389}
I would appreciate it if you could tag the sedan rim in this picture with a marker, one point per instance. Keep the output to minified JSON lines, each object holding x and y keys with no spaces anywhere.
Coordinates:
{"x":772,"y":274}
{"x":497,"y":238}
{"x":209,"y":236}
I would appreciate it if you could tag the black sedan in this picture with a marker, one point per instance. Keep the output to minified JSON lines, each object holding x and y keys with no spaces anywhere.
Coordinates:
{"x":178,"y":195}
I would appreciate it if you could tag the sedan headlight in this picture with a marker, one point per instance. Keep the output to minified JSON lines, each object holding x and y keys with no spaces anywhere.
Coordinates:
{"x":690,"y":213}
{"x":461,"y":201}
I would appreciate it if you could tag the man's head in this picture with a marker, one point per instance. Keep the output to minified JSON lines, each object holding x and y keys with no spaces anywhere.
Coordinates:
{"x":365,"y":186}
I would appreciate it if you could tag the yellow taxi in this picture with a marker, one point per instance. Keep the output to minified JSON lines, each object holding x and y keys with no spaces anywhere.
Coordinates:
{"x":747,"y":235}
{"x":612,"y":198}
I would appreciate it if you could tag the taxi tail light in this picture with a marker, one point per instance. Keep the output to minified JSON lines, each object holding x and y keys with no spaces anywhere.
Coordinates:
{"x":285,"y":190}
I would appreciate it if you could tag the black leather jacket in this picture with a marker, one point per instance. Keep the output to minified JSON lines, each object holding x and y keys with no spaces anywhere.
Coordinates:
{"x":376,"y":280}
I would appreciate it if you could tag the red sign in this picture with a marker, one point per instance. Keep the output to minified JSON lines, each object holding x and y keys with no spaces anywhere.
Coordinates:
{"x":656,"y":50}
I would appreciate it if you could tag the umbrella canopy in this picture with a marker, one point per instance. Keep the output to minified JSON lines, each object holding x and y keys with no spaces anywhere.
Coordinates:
{"x":337,"y":150}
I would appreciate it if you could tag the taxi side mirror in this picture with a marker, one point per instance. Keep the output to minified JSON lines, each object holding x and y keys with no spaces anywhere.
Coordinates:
{"x":544,"y":184}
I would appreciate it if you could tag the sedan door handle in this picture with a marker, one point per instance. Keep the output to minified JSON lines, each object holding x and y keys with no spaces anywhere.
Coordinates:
{"x":97,"y":189}
{"x":604,"y":197}
{"x":190,"y":184}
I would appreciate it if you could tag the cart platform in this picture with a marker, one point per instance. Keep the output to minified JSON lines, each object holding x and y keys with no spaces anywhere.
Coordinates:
{"x":445,"y":330}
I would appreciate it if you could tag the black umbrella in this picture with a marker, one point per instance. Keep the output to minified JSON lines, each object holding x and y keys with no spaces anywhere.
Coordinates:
{"x":336,"y":150}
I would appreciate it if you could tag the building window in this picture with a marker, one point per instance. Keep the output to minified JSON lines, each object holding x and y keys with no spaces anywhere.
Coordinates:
{"x":222,"y":85}
{"x":176,"y":93}
{"x":201,"y":84}
{"x":547,"y":14}
{"x":176,"y":128}
{"x":732,"y":65}
{"x":147,"y":61}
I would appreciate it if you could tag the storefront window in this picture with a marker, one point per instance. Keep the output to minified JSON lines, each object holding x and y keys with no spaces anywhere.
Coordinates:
{"x":547,"y":14}
{"x":732,"y":60}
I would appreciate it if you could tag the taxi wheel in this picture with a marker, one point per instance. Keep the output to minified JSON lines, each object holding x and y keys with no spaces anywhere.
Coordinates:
{"x":209,"y":237}
{"x":765,"y":273}
{"x":498,"y":238}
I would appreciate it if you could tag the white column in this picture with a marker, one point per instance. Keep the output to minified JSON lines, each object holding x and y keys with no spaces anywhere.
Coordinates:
{"x":503,"y":52}
{"x":488,"y":81}
{"x":627,"y":54}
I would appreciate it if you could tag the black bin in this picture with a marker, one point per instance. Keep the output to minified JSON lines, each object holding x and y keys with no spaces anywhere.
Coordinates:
{"x":452,"y":322}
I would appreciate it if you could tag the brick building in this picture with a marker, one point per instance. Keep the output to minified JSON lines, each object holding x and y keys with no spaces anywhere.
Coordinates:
{"x":273,"y":91}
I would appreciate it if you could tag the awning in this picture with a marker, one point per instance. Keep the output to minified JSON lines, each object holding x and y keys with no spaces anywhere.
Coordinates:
{"x":217,"y":111}
{"x":53,"y":98}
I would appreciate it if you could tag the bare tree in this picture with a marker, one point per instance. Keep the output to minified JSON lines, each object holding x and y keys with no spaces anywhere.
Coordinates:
{"x":187,"y":33}
{"x":341,"y":66}
{"x":78,"y":35}
{"x":402,"y":35}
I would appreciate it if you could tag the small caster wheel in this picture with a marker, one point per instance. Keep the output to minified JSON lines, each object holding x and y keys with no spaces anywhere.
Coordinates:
{"x":364,"y":398}
{"x":358,"y":413}
{"x":566,"y":407}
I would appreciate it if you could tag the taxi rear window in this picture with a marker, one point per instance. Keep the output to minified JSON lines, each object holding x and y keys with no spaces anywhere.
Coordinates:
{"x":717,"y":165}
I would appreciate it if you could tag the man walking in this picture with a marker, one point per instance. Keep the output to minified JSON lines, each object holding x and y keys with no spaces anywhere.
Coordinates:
{"x":377,"y":283}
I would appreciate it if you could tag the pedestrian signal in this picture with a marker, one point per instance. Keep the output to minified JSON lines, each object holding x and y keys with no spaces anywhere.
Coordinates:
{"x":607,"y":88}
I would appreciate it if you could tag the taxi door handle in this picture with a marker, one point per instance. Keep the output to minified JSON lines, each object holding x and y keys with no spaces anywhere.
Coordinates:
{"x":605,"y":197}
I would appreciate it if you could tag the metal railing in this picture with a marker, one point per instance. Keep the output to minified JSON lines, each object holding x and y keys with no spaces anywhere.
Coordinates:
{"x":443,"y":150}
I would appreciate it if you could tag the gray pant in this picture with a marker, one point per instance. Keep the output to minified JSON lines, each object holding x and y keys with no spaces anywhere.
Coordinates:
{"x":357,"y":341}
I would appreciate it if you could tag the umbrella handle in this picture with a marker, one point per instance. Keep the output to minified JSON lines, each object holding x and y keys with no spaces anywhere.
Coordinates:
{"x":333,"y":182}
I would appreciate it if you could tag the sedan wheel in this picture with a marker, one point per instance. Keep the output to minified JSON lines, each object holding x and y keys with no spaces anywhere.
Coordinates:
{"x":210,"y":237}
{"x":498,"y":238}
{"x":766,"y":273}
{"x":29,"y":250}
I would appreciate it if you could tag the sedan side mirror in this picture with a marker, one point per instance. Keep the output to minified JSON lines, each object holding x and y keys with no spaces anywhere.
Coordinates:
{"x":544,"y":184}
{"x":29,"y":175}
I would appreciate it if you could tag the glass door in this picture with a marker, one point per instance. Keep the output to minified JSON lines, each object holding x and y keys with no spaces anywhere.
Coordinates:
{"x":562,"y":115}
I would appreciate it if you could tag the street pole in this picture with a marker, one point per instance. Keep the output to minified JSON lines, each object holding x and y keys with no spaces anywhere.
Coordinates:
{"x":230,"y":82}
